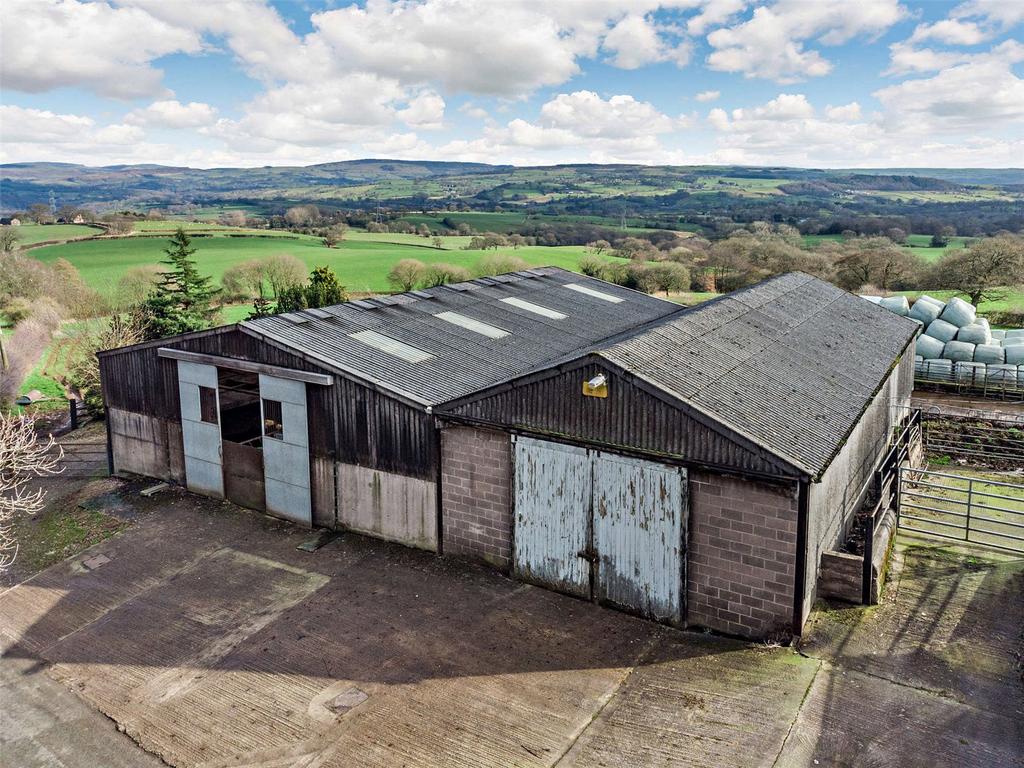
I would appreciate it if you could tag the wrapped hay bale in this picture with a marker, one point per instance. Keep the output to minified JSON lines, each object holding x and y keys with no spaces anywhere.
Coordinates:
{"x":998,"y":334}
{"x":924,"y":311}
{"x":897,"y":304}
{"x":983,"y":321}
{"x":959,"y":312}
{"x":959,"y":351}
{"x":975,"y":333}
{"x":929,"y":348}
{"x":1017,"y":341}
{"x":940,"y":369}
{"x":970,"y":372}
{"x":989,"y":354}
{"x":1015,"y":333}
{"x":1014,"y":355}
{"x":942,"y":330}
{"x":1002,"y":374}
{"x":872,"y":299}
{"x":932,"y":300}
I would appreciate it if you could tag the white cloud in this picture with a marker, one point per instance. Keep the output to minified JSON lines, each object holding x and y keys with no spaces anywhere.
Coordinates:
{"x":173,"y":114}
{"x":50,"y":44}
{"x":845,"y":113}
{"x":904,"y":58}
{"x":713,"y":14}
{"x":474,"y":111}
{"x":771,"y":43}
{"x":635,"y":41}
{"x":587,"y":114}
{"x":707,"y":95}
{"x":977,"y":94}
{"x":951,"y":32}
{"x":1005,"y":13}
{"x":425,"y":110}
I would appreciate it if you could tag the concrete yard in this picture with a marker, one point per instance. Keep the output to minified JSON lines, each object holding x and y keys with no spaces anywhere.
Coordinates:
{"x":210,"y":640}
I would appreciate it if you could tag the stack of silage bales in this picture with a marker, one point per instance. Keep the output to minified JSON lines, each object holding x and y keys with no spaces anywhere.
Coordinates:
{"x":957,"y":345}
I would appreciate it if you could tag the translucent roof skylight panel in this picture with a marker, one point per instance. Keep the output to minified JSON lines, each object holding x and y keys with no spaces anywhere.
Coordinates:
{"x":469,"y":323}
{"x":391,"y":346}
{"x":537,"y":309}
{"x":595,"y":293}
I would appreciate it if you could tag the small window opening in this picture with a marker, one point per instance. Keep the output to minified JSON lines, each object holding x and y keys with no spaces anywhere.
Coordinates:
{"x":208,"y":405}
{"x":240,"y":407}
{"x":273,"y":425}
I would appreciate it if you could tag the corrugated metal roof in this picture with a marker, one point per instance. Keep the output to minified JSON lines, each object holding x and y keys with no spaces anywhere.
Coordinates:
{"x":463,"y":360}
{"x":790,"y":363}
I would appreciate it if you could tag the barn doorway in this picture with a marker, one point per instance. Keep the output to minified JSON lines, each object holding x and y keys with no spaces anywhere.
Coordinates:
{"x":242,"y":437}
{"x":601,"y":526}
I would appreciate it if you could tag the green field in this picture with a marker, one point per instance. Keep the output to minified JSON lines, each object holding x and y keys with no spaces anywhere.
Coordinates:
{"x":361,"y":265}
{"x":1013,"y":301}
{"x":40,"y":233}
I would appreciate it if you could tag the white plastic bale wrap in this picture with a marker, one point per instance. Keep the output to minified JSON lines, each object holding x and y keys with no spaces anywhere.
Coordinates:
{"x":929,"y":348}
{"x":897,"y":304}
{"x":959,"y":351}
{"x":972,"y":372}
{"x":872,"y":299}
{"x":959,"y":312}
{"x":924,"y":311}
{"x":998,"y":334}
{"x":932,"y":300}
{"x":938,"y":369}
{"x":1015,"y":333}
{"x":983,"y":321}
{"x":975,"y":333}
{"x":1013,"y":341}
{"x":942,"y":330}
{"x":989,"y":354}
{"x":1002,"y":374}
{"x":1014,"y":355}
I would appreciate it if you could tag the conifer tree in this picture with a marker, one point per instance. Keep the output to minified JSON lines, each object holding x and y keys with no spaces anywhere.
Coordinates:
{"x":182,"y":300}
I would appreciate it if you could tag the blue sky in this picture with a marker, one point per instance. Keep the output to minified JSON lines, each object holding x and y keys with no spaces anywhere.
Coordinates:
{"x":822,"y":83}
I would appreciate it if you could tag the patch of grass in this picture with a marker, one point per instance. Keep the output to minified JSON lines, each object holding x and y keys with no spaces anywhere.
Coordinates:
{"x":56,"y":534}
{"x":362,"y":265}
{"x":39,"y":233}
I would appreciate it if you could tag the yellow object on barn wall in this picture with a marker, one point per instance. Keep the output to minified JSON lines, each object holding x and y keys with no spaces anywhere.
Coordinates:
{"x":596,"y":387}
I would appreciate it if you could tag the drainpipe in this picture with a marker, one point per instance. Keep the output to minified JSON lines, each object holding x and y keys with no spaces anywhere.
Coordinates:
{"x":800,"y":584}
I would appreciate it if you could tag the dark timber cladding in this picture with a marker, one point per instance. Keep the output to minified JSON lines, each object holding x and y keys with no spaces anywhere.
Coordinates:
{"x":768,"y":380}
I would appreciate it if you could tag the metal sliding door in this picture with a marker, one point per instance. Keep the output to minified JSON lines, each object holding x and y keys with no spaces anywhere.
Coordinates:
{"x":552,"y":512}
{"x":639,"y":529}
{"x":200,"y":428}
{"x":601,"y":526}
{"x":286,"y":448}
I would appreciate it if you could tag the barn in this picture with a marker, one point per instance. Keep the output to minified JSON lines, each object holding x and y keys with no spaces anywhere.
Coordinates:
{"x":324,"y":416}
{"x":692,"y":472}
{"x":687,"y":465}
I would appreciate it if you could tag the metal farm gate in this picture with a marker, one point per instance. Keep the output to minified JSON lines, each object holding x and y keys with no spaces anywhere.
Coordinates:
{"x":962,"y":508}
{"x":601,"y":526}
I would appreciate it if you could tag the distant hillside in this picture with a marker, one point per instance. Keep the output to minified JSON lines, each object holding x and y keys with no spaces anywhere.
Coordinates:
{"x":973,"y":200}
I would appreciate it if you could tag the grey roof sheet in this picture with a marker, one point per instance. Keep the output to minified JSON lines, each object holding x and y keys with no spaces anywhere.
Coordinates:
{"x":464,"y":361}
{"x":790,"y":363}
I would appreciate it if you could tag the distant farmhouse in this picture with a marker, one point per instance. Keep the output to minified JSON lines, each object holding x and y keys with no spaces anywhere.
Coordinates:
{"x":686,"y":465}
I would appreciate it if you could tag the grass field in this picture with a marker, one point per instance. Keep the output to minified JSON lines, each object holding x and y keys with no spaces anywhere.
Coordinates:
{"x":39,"y":233}
{"x":919,"y":245}
{"x":1014,"y":300}
{"x":361,"y":264}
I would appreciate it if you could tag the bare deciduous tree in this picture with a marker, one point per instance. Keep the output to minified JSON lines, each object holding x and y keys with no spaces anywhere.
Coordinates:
{"x":9,"y":237}
{"x":23,"y":457}
{"x":284,"y":271}
{"x":406,"y":274}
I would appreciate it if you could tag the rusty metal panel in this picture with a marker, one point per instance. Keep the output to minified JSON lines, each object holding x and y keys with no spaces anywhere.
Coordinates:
{"x":639,"y":524}
{"x":286,"y":459}
{"x":201,"y":439}
{"x":552,"y":511}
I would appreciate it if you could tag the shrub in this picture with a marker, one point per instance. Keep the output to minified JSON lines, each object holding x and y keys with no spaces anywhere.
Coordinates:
{"x":442,"y":274}
{"x":498,"y":264}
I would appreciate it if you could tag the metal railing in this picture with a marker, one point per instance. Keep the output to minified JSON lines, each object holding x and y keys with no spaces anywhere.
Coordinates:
{"x":886,"y":493}
{"x":999,"y":381}
{"x":962,"y":508}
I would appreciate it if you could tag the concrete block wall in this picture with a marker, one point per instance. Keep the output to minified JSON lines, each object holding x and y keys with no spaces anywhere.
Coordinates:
{"x":476,"y":506}
{"x":741,"y":562}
